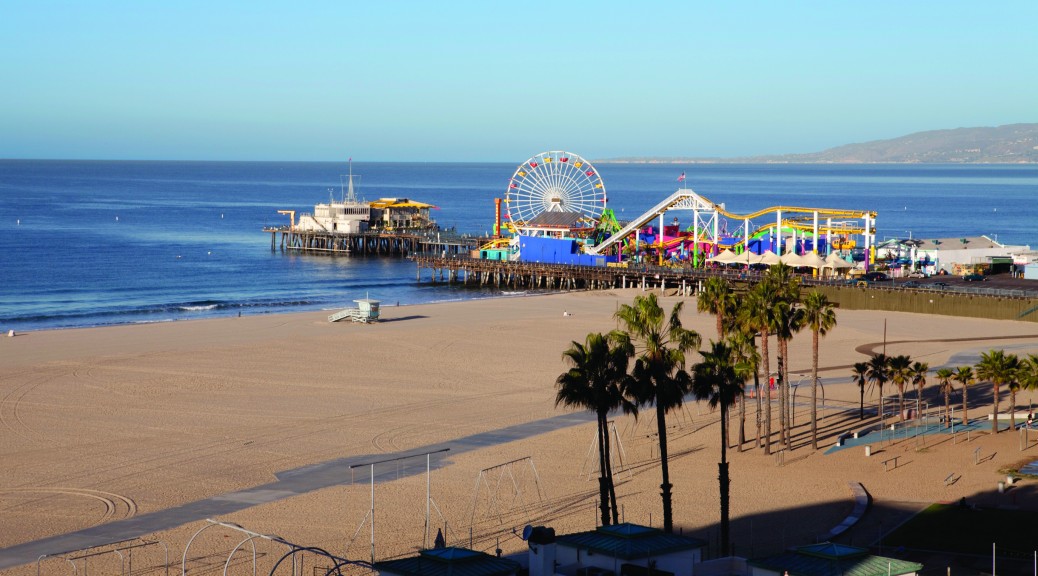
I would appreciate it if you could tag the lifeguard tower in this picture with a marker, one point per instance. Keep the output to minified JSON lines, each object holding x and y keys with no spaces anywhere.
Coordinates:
{"x":366,"y":312}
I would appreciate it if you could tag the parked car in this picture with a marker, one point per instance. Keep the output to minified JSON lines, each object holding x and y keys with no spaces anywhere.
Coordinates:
{"x":939,"y":285}
{"x":911,"y":284}
{"x":975,"y":278}
{"x":875,"y":277}
{"x":916,"y":274}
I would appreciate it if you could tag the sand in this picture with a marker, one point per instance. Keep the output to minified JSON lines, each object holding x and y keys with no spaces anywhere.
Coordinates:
{"x":102,"y":424}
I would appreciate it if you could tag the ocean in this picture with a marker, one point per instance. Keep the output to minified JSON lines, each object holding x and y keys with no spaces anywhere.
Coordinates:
{"x":93,"y":243}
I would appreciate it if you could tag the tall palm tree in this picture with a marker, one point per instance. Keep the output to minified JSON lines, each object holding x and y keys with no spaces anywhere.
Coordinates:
{"x":597,"y":380}
{"x":879,"y":374}
{"x":788,"y":320}
{"x":744,"y":345}
{"x":717,"y":298}
{"x":660,"y":342}
{"x":860,"y":373}
{"x":719,"y":379}
{"x":819,"y":316}
{"x":919,"y":371}
{"x":964,"y":376}
{"x":756,"y":314}
{"x":944,"y":378}
{"x":1029,"y":372}
{"x":998,"y":368}
{"x":900,"y":374}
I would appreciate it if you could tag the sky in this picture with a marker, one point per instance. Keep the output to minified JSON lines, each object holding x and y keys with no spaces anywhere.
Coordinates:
{"x":494,"y":81}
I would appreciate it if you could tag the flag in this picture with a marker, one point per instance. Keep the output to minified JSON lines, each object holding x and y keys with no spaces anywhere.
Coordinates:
{"x":682,"y":177}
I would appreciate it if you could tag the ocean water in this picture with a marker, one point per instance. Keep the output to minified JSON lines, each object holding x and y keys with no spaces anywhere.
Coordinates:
{"x":85,"y":243}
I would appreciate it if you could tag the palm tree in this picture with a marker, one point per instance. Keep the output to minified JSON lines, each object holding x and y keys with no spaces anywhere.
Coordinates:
{"x":756,"y":315}
{"x":918,"y":372}
{"x":879,"y":373}
{"x":900,"y":372}
{"x":719,"y":379}
{"x":597,"y":380}
{"x":1028,"y":376}
{"x":717,"y":298}
{"x":998,"y":368}
{"x":787,"y":322}
{"x":660,"y":379}
{"x":818,"y":314}
{"x":965,"y":377}
{"x":944,"y":377}
{"x":744,"y":346}
{"x":861,"y":376}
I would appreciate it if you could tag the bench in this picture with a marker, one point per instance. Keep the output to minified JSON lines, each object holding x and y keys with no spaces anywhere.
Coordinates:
{"x":890,"y":463}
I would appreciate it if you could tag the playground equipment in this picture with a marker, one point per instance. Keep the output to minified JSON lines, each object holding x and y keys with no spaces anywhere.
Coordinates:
{"x":792,"y":226}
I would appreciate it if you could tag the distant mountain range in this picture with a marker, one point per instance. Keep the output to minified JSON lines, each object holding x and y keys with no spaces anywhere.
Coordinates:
{"x":1010,"y":144}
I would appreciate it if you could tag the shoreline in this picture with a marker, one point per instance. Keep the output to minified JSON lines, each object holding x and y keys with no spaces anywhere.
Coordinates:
{"x":166,"y":414}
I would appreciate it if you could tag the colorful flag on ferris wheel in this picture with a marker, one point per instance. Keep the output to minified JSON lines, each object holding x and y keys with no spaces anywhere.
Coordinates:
{"x":682,"y":177}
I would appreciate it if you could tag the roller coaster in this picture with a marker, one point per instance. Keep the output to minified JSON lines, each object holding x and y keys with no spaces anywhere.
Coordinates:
{"x":809,"y":229}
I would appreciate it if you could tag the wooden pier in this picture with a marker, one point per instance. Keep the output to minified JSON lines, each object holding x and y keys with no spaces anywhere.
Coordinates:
{"x":527,"y":275}
{"x":401,"y":243}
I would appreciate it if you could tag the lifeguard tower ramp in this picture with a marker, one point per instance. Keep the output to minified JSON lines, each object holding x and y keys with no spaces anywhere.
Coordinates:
{"x":367,"y":311}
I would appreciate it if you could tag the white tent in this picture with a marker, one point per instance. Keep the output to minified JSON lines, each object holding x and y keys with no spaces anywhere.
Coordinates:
{"x":792,"y":259}
{"x":769,"y":258}
{"x":725,"y":257}
{"x":835,"y":262}
{"x":813,"y":260}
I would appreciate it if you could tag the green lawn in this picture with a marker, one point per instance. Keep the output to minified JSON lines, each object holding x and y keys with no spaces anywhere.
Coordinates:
{"x":961,"y":530}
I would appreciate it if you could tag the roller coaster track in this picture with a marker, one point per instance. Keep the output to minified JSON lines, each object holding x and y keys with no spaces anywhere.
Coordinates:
{"x":686,"y":199}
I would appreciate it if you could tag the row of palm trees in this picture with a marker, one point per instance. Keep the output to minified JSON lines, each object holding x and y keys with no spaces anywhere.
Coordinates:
{"x":601,"y":378}
{"x":772,"y":307}
{"x":995,"y":366}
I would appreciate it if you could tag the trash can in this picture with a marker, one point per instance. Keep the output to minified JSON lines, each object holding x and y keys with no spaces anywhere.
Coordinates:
{"x":1001,"y":487}
{"x":868,"y":450}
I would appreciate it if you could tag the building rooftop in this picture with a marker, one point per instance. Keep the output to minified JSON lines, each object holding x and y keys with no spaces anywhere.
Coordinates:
{"x":450,"y":561}
{"x":828,"y":559}
{"x":630,"y":541}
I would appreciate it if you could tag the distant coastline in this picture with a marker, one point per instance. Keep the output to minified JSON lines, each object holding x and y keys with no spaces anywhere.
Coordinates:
{"x":1010,"y":144}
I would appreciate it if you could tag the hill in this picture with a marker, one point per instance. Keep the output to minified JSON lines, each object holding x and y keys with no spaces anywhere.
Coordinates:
{"x":1010,"y":144}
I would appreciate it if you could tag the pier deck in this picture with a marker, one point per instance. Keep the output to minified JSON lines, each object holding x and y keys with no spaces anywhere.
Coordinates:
{"x":400,"y":243}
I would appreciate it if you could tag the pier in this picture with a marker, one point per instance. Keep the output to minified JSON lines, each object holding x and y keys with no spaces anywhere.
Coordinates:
{"x":402,"y":243}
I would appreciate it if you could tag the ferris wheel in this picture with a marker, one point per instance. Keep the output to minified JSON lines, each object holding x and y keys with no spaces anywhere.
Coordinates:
{"x":554,"y":182}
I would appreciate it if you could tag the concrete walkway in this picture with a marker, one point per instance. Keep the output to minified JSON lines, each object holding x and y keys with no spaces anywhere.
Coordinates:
{"x":289,"y":483}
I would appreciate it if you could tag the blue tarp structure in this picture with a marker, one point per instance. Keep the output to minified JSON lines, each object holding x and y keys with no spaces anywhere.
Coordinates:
{"x":556,"y":251}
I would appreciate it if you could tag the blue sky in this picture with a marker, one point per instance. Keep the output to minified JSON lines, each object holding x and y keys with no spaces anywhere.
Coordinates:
{"x":501,"y":81}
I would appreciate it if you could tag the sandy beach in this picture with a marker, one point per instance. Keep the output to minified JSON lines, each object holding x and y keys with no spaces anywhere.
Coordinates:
{"x":99,"y":425}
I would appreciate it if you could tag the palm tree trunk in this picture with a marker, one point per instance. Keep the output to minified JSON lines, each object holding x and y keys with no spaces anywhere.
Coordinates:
{"x":881,"y":405}
{"x":780,"y":374}
{"x":767,"y":392}
{"x":742,"y":421}
{"x":665,"y":486}
{"x":756,"y":390}
{"x":1012,"y":409}
{"x":994,"y":421}
{"x":722,"y":477}
{"x":603,"y":474}
{"x":965,"y":414}
{"x":947,"y":406}
{"x":609,"y":473}
{"x":861,"y":404}
{"x":814,"y":390}
{"x":901,"y":402}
